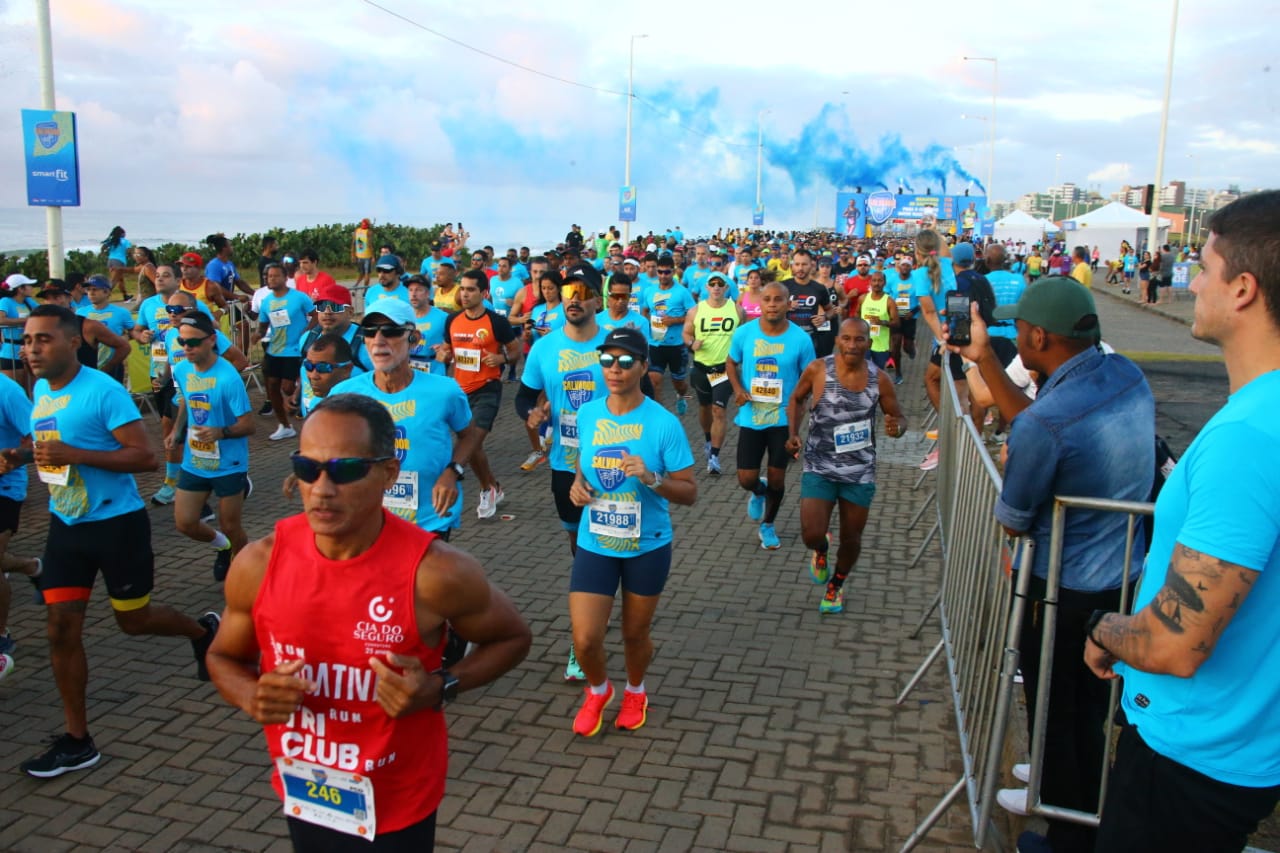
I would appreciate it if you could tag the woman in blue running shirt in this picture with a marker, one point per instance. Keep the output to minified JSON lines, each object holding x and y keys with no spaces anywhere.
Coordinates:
{"x":117,"y":249}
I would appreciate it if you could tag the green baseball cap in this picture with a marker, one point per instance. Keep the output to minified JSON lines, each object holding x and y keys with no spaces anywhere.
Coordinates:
{"x":1056,"y":304}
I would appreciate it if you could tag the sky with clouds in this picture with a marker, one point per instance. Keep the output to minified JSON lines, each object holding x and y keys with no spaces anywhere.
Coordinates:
{"x":351,"y":109}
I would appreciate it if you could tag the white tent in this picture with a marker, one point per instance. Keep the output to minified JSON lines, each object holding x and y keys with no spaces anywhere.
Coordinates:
{"x":1050,"y":227}
{"x":1019,"y":226}
{"x":1107,"y":226}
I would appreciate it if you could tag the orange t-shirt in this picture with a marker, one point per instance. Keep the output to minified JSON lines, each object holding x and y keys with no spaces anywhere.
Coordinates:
{"x":473,"y":339}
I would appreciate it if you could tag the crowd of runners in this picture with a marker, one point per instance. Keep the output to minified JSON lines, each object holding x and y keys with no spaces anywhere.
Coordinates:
{"x":395,"y":384}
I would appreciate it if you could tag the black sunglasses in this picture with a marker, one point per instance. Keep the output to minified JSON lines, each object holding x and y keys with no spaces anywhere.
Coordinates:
{"x":665,"y":272}
{"x":388,"y":331}
{"x":176,"y":309}
{"x":323,"y":366}
{"x":619,"y":295}
{"x":717,"y":263}
{"x":341,"y":471}
{"x":626,"y":362}
{"x":192,"y":342}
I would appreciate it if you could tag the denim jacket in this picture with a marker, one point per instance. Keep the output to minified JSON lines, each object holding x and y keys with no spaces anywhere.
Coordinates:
{"x":1089,"y":433}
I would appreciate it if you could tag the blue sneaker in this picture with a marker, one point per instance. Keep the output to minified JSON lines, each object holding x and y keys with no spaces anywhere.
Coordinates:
{"x":713,"y":464}
{"x":682,"y":406}
{"x":768,"y":538}
{"x":573,"y":672}
{"x":755,"y":507}
{"x":7,"y":645}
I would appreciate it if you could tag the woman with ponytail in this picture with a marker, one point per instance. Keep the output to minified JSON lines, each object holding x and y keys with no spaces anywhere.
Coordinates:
{"x":932,"y":277}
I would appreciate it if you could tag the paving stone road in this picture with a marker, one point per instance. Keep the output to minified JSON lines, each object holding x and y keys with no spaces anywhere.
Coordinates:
{"x":770,"y":727}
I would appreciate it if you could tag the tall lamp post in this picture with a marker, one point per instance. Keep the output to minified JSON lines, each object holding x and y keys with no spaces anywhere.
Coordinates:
{"x":759,"y":152}
{"x":1153,"y":232}
{"x":995,"y":88}
{"x":631,"y":71}
{"x":53,"y":215}
{"x":1192,"y":235}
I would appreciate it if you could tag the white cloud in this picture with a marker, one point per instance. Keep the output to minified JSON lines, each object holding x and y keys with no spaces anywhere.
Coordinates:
{"x":1112,"y":173}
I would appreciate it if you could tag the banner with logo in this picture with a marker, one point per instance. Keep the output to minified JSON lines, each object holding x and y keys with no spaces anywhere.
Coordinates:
{"x":757,"y":216}
{"x":861,"y":214}
{"x":52,"y":158}
{"x":627,"y":204}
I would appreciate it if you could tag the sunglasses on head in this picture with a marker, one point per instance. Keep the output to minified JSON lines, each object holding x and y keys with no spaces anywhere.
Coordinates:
{"x":192,"y":342}
{"x":626,"y":362}
{"x":323,"y":366}
{"x":349,"y":469}
{"x":326,"y":306}
{"x":388,"y":331}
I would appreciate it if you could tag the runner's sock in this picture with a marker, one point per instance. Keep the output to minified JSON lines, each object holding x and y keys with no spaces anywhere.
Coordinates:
{"x":171,"y":470}
{"x":635,"y":688}
{"x":600,"y":689}
{"x":706,"y":436}
{"x":838,"y":579}
{"x":220,"y":541}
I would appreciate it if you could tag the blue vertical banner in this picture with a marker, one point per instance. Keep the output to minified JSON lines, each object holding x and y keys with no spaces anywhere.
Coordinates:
{"x":757,"y":216}
{"x":52,"y":158}
{"x":627,"y":204}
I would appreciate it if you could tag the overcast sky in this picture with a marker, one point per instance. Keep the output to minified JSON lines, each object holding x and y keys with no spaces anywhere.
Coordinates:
{"x":344,"y":109}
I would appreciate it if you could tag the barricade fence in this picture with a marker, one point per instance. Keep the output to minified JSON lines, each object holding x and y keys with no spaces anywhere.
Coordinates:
{"x":982,"y":604}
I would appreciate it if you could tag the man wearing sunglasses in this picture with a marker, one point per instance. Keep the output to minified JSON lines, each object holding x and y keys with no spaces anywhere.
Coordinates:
{"x":333,"y":317}
{"x":326,"y":362}
{"x":707,"y":333}
{"x":215,"y":416}
{"x":480,"y":343}
{"x":619,"y":310}
{"x":428,"y":411}
{"x":357,"y":603}
{"x":665,"y":307}
{"x":89,"y":442}
{"x":430,"y":322}
{"x":389,"y":285}
{"x":287,"y":314}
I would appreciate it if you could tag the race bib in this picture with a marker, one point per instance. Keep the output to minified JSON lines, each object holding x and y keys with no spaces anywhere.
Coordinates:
{"x":616,"y":519}
{"x":54,"y":475}
{"x":204,"y":450}
{"x":279,"y":317}
{"x":568,"y":429}
{"x":822,"y":325}
{"x":159,"y":353}
{"x":875,"y":329}
{"x":853,"y":436}
{"x":404,"y":494}
{"x":766,"y":390}
{"x":420,"y":365}
{"x":467,"y":359}
{"x":657,"y":328}
{"x":334,"y":799}
{"x":904,"y":303}
{"x":714,"y":379}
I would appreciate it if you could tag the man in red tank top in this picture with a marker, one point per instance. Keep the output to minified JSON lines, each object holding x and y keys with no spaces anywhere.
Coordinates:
{"x":332,"y":639}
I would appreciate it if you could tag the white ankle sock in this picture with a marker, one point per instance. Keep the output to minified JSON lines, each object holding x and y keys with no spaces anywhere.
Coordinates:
{"x":635,"y":688}
{"x":600,"y":689}
{"x":220,"y":541}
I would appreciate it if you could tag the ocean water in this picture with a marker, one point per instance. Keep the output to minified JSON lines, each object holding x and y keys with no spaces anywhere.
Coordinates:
{"x":23,"y":229}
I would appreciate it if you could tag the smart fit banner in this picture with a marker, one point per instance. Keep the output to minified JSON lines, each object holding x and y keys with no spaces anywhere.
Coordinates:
{"x":52,"y":158}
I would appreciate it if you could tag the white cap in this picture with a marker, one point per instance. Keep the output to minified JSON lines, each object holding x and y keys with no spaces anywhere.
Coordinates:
{"x":17,"y":280}
{"x":652,"y":247}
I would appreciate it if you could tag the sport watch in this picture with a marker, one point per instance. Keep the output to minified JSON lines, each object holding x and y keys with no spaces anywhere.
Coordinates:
{"x":456,"y":468}
{"x":448,"y":687}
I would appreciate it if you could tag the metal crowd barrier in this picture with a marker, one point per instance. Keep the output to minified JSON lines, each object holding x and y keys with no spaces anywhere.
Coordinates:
{"x":981,"y":609}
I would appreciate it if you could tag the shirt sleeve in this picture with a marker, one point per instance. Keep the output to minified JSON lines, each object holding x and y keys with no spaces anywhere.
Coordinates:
{"x":1028,"y":474}
{"x":237,"y":395}
{"x":223,"y":343}
{"x":1232,"y":513}
{"x":532,"y":373}
{"x":735,"y":344}
{"x":460,"y":411}
{"x":117,"y":407}
{"x":502,"y":330}
{"x":18,"y":410}
{"x":676,"y":455}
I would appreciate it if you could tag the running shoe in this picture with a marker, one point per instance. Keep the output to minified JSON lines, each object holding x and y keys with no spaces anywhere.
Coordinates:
{"x":591,"y":715}
{"x":533,"y":460}
{"x":635,"y":710}
{"x":266,"y":408}
{"x":819,"y":571}
{"x":282,"y":432}
{"x":210,"y":621}
{"x":755,"y":507}
{"x":769,"y":538}
{"x":500,"y":496}
{"x":221,"y":562}
{"x":890,"y":364}
{"x":713,"y":464}
{"x":7,"y":645}
{"x":248,"y":486}
{"x":897,"y":380}
{"x":833,"y":601}
{"x":931,"y":461}
{"x":488,"y":503}
{"x":6,"y":665}
{"x":164,"y":495}
{"x":706,"y":445}
{"x":65,"y":754}
{"x":682,"y":405}
{"x":932,"y":435}
{"x":573,"y":672}
{"x":206,"y":514}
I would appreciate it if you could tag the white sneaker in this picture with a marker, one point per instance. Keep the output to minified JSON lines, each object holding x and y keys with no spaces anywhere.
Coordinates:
{"x":1013,"y":800}
{"x":282,"y":432}
{"x":533,"y":460}
{"x":500,"y":497}
{"x":931,"y":461}
{"x":488,"y":503}
{"x":1022,"y":772}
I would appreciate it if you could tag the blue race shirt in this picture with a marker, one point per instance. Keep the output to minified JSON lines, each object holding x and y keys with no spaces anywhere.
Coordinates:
{"x":769,"y":367}
{"x":904,"y":295}
{"x":153,"y":317}
{"x":695,"y":279}
{"x":431,"y":328}
{"x":1088,"y":434}
{"x":83,"y":413}
{"x":15,"y":425}
{"x":547,"y":319}
{"x":1222,"y":721}
{"x":427,"y":413}
{"x":115,"y":318}
{"x":502,"y":292}
{"x":214,"y":398}
{"x":222,"y":272}
{"x":626,"y":517}
{"x":922,"y":284}
{"x":633,"y":319}
{"x":375,"y":293}
{"x":569,"y":373}
{"x":676,"y":301}
{"x":288,"y":316}
{"x":120,"y":252}
{"x":1007,"y":287}
{"x":12,"y":335}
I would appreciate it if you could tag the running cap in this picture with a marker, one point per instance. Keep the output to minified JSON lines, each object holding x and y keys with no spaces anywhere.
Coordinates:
{"x":333,"y":293}
{"x":720,"y":276}
{"x":18,"y":280}
{"x":962,"y":254}
{"x":197,"y":321}
{"x":446,"y":262}
{"x":98,"y":281}
{"x":396,"y":310}
{"x":50,"y":292}
{"x":191,"y":259}
{"x":1056,"y":304}
{"x":388,"y":262}
{"x":629,"y":339}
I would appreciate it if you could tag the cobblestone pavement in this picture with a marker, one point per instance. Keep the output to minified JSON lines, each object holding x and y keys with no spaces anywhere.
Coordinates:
{"x":770,"y":727}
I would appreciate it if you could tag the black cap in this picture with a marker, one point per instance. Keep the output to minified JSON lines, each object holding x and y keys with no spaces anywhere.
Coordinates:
{"x":50,"y":292}
{"x":629,"y":339}
{"x":197,"y":321}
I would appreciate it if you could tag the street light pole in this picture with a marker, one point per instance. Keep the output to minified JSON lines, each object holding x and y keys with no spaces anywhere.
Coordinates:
{"x":1153,"y":232}
{"x":626,"y":180}
{"x":52,"y":215}
{"x":1191,"y":236}
{"x":995,"y":89}
{"x":759,"y":153}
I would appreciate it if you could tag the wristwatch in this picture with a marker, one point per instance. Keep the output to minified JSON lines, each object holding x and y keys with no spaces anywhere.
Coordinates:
{"x":457,"y":469}
{"x":448,"y":687}
{"x":1094,"y":619}
{"x":657,"y":480}
{"x":226,"y":432}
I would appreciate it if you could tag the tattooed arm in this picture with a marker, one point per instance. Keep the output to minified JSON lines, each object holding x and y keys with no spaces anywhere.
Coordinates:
{"x":1177,"y":631}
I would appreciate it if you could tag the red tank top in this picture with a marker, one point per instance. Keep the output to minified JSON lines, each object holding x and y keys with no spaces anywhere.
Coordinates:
{"x":335,"y":615}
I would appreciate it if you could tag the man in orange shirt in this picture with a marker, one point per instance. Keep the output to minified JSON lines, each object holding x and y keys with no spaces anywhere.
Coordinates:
{"x":480,"y":343}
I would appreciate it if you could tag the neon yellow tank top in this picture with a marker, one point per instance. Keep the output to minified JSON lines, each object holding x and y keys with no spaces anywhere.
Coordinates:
{"x":876,"y":313}
{"x":714,"y":327}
